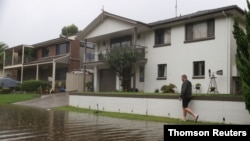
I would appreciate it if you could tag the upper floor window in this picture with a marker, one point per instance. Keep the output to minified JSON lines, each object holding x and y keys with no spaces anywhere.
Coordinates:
{"x":162,"y":72}
{"x":62,"y":48}
{"x":121,"y":41}
{"x":45,"y":52}
{"x":162,"y":37}
{"x":90,"y":56}
{"x":199,"y":69}
{"x":200,"y":31}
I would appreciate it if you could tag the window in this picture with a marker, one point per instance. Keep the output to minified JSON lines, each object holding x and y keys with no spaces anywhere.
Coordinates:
{"x":45,"y":52}
{"x":61,"y":73}
{"x":200,"y":30}
{"x":121,"y":41}
{"x":90,"y":56}
{"x":162,"y":37}
{"x":62,"y":49}
{"x":162,"y":71}
{"x":141,"y":73}
{"x":199,"y":69}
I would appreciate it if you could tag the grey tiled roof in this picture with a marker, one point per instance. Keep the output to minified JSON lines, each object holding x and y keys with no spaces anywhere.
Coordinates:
{"x":45,"y":59}
{"x":196,"y":14}
{"x":50,"y":42}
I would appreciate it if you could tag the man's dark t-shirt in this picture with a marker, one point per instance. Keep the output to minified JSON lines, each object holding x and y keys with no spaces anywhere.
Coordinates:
{"x":186,"y":89}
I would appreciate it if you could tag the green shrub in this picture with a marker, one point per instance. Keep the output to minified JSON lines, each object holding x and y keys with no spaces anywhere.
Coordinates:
{"x":156,"y":90}
{"x":33,"y":85}
{"x":168,"y":88}
{"x":5,"y":90}
{"x":18,"y":88}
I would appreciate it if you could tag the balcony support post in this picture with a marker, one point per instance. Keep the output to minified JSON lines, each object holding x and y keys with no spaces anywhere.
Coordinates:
{"x":22,"y":74}
{"x":37,"y":72}
{"x":53,"y":75}
{"x":134,"y":67}
{"x":4,"y":55}
{"x":22,"y":55}
{"x":85,"y":71}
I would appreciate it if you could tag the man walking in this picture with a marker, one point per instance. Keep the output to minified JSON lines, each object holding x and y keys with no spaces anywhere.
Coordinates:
{"x":186,"y":95}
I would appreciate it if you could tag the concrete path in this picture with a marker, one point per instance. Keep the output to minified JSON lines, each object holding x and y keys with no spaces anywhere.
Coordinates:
{"x":47,"y":101}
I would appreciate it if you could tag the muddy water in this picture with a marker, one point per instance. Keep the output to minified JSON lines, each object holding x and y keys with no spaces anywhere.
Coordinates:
{"x":18,"y":123}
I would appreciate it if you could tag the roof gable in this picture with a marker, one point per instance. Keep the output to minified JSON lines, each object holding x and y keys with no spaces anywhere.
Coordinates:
{"x":107,"y":23}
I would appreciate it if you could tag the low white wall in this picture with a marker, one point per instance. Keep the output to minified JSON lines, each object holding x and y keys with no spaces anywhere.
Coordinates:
{"x":212,"y":111}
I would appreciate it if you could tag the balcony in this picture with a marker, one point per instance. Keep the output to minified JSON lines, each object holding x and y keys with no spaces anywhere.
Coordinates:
{"x":99,"y":56}
{"x":18,"y":60}
{"x":15,"y":61}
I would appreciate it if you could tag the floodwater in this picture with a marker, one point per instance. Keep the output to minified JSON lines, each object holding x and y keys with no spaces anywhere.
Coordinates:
{"x":19,"y":123}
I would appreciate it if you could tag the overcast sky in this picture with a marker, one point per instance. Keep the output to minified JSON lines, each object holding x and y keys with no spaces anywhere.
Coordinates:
{"x":34,"y":21}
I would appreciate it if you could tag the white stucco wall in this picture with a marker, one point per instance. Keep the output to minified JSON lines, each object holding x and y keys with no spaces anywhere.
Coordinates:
{"x":179,"y":57}
{"x":211,"y":111}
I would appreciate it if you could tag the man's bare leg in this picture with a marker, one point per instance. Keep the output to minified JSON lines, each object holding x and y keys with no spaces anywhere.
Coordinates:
{"x":188,"y":110}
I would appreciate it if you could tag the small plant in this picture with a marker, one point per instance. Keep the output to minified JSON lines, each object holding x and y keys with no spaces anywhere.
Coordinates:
{"x":46,"y":90}
{"x":39,"y":90}
{"x":212,"y":89}
{"x":168,"y":88}
{"x":198,"y":86}
{"x":5,"y":90}
{"x":63,"y":84}
{"x":156,"y":90}
{"x":89,"y":85}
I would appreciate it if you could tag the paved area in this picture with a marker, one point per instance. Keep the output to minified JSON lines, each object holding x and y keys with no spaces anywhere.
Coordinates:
{"x":47,"y":101}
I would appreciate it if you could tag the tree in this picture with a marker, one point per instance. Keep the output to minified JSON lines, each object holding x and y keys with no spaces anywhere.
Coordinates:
{"x":122,"y":60}
{"x":3,"y":46}
{"x":242,"y":38}
{"x":69,"y":30}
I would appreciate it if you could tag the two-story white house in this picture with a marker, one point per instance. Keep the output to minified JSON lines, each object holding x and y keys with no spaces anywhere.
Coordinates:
{"x":193,"y":44}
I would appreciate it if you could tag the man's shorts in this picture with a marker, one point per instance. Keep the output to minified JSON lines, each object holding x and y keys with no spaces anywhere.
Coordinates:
{"x":185,"y":101}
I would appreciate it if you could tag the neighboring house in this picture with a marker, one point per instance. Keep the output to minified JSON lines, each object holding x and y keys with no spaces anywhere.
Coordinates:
{"x":49,"y":60}
{"x":190,"y":44}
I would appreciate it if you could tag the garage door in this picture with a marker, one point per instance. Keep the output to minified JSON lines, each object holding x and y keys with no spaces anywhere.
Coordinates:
{"x":107,"y":80}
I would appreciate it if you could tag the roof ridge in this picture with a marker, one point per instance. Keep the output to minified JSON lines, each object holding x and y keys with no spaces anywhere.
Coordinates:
{"x":218,"y":8}
{"x":196,"y":14}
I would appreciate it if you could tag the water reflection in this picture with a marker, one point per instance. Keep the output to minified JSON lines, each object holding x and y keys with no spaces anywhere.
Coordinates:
{"x":19,"y":123}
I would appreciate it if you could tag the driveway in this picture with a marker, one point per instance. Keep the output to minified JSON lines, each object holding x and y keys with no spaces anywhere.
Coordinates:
{"x":47,"y":101}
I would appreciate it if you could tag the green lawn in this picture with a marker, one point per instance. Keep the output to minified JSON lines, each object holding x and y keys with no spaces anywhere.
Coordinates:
{"x":131,"y":116}
{"x":12,"y":98}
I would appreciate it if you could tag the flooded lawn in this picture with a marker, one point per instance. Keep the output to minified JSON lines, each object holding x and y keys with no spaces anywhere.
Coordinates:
{"x":19,"y":123}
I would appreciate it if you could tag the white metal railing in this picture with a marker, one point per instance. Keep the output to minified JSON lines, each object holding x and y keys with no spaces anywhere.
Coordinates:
{"x":93,"y":56}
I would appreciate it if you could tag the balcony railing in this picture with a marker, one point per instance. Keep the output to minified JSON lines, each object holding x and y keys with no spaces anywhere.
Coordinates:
{"x":8,"y":61}
{"x":95,"y":56}
{"x":29,"y":59}
{"x":18,"y":60}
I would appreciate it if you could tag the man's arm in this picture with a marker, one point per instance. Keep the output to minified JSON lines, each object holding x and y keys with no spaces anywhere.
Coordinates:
{"x":184,"y":89}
